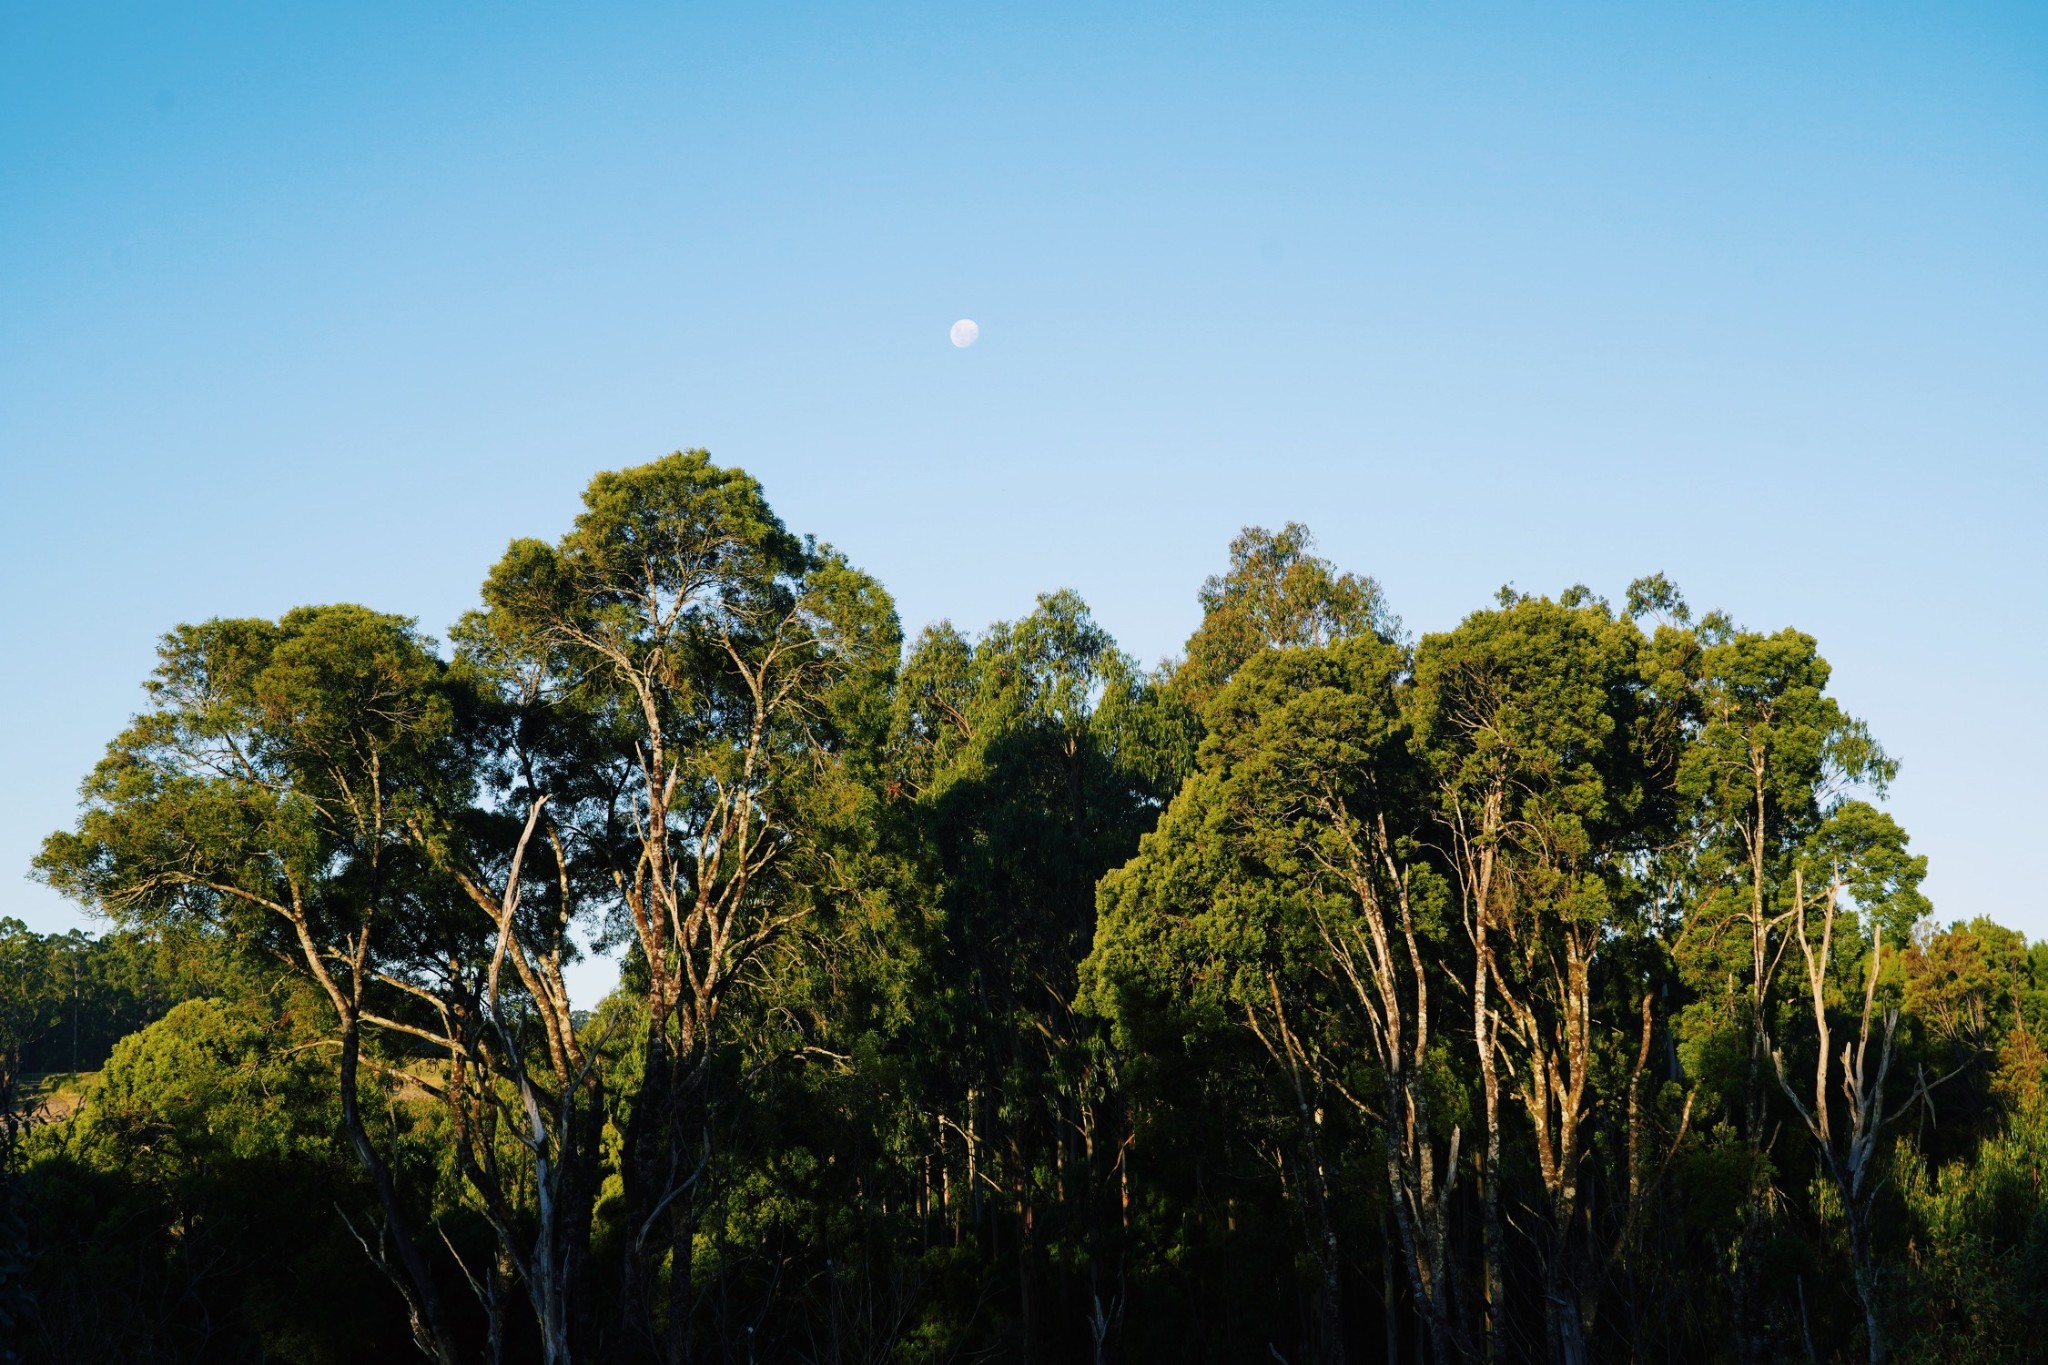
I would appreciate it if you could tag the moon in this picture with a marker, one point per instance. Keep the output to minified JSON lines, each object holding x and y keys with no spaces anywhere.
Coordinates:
{"x":965,"y":333}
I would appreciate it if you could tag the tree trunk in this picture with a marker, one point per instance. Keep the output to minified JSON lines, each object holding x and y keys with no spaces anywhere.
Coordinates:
{"x":643,"y":1170}
{"x":1561,"y":1309}
{"x":1422,"y":1255}
{"x":1493,"y":1250}
{"x":579,"y":1206}
{"x":1327,"y":1345}
{"x":494,"y":1307}
{"x":1864,"y":1271}
{"x":430,"y":1330}
{"x":682,"y":1232}
{"x":1493,"y":1237}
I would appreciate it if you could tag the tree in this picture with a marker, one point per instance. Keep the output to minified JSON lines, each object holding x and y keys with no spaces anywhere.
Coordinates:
{"x":1277,"y":594}
{"x":725,"y":670}
{"x":1530,"y":722}
{"x":1866,"y":859}
{"x":268,"y":793}
{"x":1977,"y":1286}
{"x":1004,"y":999}
{"x":1285,"y":876}
{"x":1026,"y":755}
{"x":1768,"y":758}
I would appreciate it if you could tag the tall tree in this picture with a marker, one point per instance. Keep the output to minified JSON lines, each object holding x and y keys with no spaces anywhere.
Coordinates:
{"x":1769,"y":757}
{"x":1865,"y":857}
{"x":1529,"y":720}
{"x":1276,"y":594}
{"x":271,"y":792}
{"x":1287,"y":876}
{"x":1026,"y":755}
{"x":729,"y":666}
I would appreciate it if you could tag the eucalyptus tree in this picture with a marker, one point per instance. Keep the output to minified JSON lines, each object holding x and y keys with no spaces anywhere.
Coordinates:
{"x":1025,"y":757}
{"x":1287,"y":885}
{"x":319,"y":786}
{"x":727,"y":670}
{"x":521,"y":1063}
{"x":1529,"y":720}
{"x":1276,"y":594}
{"x":1858,"y":855}
{"x":1769,"y":758}
{"x":274,"y":791}
{"x":524,"y":1110}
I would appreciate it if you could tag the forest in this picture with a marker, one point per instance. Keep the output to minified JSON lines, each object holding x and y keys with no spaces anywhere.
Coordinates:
{"x":1554,"y":988}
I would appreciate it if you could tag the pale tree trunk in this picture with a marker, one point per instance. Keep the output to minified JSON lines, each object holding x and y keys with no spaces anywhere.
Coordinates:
{"x":1476,"y":855}
{"x":1326,"y":1316}
{"x":693,"y":904}
{"x":410,"y":1276}
{"x":549,"y":1134}
{"x":1850,"y":1159}
{"x":1562,"y":1310}
{"x":1493,"y":1236}
{"x":1752,"y":1345}
{"x":1390,"y":990}
{"x":1553,"y":1081}
{"x":550,"y":1113}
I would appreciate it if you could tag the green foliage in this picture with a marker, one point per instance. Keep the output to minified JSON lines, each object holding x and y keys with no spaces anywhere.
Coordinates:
{"x":1319,"y":995}
{"x":1977,"y":1260}
{"x":1276,"y":595}
{"x":276,"y":773}
{"x":191,"y":1210}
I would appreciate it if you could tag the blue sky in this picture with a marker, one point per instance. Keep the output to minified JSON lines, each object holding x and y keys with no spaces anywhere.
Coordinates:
{"x":312,"y":303}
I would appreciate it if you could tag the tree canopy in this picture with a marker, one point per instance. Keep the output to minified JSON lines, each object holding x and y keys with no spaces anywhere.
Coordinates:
{"x":1554,"y":986}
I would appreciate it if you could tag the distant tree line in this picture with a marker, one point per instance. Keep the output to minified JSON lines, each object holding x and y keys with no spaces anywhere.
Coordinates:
{"x":1553,"y":988}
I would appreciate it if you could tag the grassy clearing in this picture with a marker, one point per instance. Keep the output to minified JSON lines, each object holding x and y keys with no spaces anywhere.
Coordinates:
{"x":56,"y":1095}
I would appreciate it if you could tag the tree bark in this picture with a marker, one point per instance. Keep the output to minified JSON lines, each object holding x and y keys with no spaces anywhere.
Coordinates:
{"x":642,"y":1165}
{"x":415,"y":1282}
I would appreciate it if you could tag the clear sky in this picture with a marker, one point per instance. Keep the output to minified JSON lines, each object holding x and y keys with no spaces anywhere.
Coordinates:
{"x":306,"y":303}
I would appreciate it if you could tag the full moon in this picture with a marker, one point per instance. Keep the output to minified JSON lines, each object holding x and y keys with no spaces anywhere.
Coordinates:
{"x":965,"y":333}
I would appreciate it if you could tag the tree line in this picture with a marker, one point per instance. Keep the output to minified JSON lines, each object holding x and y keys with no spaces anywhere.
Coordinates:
{"x":1551,"y":988}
